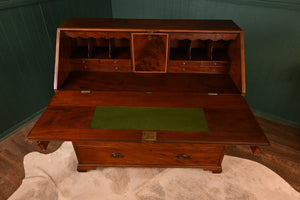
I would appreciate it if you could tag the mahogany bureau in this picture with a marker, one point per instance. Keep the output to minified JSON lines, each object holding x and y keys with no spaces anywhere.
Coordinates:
{"x":151,"y":93}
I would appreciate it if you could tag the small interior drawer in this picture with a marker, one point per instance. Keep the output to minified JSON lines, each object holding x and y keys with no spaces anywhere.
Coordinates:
{"x":104,"y":65}
{"x":148,"y":154}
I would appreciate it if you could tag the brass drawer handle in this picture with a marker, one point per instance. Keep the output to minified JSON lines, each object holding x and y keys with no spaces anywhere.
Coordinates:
{"x":117,"y":155}
{"x":183,"y":156}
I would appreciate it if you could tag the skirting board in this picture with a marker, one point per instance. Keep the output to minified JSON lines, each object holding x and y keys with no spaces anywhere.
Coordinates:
{"x":276,"y":118}
{"x":20,"y":124}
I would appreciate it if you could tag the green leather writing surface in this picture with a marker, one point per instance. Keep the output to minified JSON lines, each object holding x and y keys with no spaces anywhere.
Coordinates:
{"x":149,"y":118}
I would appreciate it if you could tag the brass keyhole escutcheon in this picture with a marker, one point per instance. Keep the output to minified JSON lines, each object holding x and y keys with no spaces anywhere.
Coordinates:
{"x":149,"y":37}
{"x":117,"y":155}
{"x":149,"y":136}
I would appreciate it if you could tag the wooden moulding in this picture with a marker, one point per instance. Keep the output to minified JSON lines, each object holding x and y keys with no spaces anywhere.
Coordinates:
{"x":97,"y":34}
{"x":144,"y":25}
{"x":237,"y":67}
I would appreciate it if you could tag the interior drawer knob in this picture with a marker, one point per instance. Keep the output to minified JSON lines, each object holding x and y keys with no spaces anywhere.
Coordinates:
{"x":183,"y":156}
{"x":117,"y":155}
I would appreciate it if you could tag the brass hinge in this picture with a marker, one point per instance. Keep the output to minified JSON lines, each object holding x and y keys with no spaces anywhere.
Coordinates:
{"x":85,"y":91}
{"x":148,"y":136}
{"x":212,"y":94}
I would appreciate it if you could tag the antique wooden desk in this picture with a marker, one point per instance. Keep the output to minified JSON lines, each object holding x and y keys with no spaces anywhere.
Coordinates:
{"x":169,"y":66}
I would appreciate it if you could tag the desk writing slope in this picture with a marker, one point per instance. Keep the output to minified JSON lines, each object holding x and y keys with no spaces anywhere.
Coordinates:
{"x":149,"y":118}
{"x":123,"y":103}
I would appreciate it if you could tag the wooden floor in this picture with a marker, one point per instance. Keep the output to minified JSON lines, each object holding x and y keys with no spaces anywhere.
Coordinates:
{"x":283,"y":156}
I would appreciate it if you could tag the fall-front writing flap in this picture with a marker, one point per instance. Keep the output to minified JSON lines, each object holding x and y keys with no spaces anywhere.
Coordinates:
{"x":69,"y":115}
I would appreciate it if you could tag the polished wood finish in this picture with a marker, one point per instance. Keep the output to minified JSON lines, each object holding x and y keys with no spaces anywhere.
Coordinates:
{"x":154,"y":82}
{"x":148,"y":154}
{"x":282,"y":156}
{"x":103,"y":65}
{"x":186,"y":66}
{"x":149,"y":63}
{"x":83,"y":41}
{"x":149,"y":52}
{"x":159,"y":25}
{"x":229,"y":118}
{"x":237,"y":69}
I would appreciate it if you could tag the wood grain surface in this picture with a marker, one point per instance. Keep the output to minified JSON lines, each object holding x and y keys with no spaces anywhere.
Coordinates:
{"x":169,"y":82}
{"x":163,"y":25}
{"x":68,"y":116}
{"x":149,"y":52}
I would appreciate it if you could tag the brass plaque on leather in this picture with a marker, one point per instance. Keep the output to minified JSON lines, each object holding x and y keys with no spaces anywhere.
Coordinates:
{"x":148,"y":136}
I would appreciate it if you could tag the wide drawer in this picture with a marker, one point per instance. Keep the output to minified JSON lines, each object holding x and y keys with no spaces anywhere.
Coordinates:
{"x":148,"y":154}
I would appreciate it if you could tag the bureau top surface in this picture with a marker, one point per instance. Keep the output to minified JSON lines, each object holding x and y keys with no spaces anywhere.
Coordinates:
{"x":149,"y":25}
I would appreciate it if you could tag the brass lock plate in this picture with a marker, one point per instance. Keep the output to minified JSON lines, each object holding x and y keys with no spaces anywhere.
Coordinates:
{"x":148,"y":136}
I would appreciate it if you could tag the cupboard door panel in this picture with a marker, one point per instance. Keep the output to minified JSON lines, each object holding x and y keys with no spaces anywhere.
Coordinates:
{"x":149,"y":52}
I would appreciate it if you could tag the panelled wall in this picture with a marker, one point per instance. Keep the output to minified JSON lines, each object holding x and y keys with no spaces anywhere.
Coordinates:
{"x":272,"y":45}
{"x":27,"y":53}
{"x":27,"y":48}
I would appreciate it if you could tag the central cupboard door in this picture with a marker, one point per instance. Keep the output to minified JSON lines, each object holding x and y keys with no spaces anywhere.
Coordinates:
{"x":149,"y":52}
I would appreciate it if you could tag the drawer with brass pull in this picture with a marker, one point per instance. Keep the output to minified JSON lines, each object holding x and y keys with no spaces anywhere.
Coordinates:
{"x":148,"y":154}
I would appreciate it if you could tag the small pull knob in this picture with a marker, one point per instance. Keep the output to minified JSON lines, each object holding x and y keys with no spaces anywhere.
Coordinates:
{"x":117,"y":155}
{"x":183,"y":156}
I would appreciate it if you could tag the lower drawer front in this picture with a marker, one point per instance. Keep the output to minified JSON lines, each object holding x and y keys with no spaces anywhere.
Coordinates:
{"x":148,"y":154}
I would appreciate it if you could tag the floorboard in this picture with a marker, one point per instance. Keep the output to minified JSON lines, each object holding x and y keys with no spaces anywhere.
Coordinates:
{"x":283,"y":156}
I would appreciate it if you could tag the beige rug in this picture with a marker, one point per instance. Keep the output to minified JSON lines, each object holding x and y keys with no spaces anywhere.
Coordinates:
{"x":54,"y":176}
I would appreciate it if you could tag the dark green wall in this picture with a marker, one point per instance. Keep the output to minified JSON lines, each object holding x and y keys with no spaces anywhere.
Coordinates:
{"x":27,"y":48}
{"x":27,"y":53}
{"x":272,"y":45}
